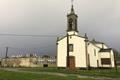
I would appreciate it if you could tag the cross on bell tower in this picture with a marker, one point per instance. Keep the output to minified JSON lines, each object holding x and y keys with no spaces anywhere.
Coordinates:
{"x":72,"y":20}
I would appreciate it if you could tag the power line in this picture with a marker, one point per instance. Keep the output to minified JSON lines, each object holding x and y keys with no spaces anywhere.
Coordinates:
{"x":18,"y":35}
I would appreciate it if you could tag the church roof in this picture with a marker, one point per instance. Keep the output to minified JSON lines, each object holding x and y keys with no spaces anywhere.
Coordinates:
{"x":105,"y":50}
{"x":60,"y":38}
{"x":69,"y":35}
{"x":72,"y":12}
{"x":96,"y":42}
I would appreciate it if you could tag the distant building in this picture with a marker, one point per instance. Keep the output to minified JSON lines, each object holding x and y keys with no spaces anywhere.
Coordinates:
{"x":19,"y":62}
{"x":47,"y":61}
{"x":76,"y":51}
{"x":38,"y":61}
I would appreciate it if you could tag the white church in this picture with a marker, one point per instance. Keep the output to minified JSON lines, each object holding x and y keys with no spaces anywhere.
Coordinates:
{"x":76,"y":51}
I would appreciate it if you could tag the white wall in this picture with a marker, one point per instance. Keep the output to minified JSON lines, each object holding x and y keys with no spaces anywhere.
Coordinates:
{"x":62,"y":52}
{"x":112,"y":58}
{"x":78,"y":52}
{"x":93,"y":57}
{"x":107,"y":55}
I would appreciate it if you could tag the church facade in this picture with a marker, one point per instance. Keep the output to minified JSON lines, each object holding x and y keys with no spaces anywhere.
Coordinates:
{"x":75,"y":51}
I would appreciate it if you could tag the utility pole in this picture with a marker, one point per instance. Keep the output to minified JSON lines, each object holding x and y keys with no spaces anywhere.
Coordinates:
{"x":6,"y":56}
{"x":67,"y":50}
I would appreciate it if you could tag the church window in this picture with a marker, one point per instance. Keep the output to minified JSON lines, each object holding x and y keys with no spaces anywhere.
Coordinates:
{"x":94,"y":52}
{"x":70,"y":47}
{"x":70,"y":37}
{"x":105,"y":61}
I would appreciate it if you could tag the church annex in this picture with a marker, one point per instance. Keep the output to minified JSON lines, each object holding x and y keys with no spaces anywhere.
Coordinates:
{"x":76,"y":51}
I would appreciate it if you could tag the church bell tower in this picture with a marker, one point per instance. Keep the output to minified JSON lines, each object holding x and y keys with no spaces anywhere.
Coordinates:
{"x":72,"y":22}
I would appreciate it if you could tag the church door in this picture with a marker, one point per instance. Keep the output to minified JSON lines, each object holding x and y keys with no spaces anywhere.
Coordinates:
{"x":71,"y":62}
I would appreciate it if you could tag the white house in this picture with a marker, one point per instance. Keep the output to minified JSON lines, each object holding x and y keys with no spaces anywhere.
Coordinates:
{"x":75,"y":51}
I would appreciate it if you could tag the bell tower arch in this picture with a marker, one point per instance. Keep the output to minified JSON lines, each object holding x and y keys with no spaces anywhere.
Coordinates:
{"x":72,"y":21}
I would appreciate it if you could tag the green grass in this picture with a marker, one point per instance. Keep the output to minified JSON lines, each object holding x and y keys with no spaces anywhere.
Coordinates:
{"x":9,"y":75}
{"x":98,"y":72}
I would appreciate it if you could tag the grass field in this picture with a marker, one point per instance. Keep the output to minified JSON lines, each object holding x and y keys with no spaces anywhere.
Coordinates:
{"x":9,"y":75}
{"x":37,"y":74}
{"x":97,"y":72}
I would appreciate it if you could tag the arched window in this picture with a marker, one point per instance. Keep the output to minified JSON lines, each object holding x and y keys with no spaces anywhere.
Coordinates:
{"x":70,"y":23}
{"x":75,"y":24}
{"x":71,"y":48}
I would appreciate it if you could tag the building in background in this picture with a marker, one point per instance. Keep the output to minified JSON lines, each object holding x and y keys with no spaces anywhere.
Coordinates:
{"x":76,"y":51}
{"x":47,"y":61}
{"x":29,"y":61}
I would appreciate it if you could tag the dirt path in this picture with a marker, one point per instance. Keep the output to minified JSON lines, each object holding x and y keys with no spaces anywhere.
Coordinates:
{"x":61,"y":74}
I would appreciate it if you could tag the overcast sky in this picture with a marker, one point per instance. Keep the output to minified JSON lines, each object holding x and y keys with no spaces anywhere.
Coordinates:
{"x":100,"y":19}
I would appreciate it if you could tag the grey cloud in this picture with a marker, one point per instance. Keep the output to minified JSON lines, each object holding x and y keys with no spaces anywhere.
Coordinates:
{"x":99,"y":18}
